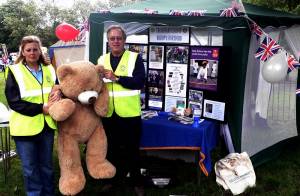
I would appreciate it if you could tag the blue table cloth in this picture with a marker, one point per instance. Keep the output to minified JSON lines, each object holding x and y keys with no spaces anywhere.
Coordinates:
{"x":161,"y":133}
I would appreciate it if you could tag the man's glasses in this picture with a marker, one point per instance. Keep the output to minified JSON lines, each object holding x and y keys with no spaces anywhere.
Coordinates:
{"x":115,"y":38}
{"x":31,"y":49}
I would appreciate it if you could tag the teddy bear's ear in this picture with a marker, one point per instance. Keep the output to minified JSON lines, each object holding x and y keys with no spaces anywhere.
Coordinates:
{"x":63,"y":71}
{"x":100,"y":70}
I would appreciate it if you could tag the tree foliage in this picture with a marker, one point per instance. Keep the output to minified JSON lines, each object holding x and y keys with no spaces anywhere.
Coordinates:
{"x":19,"y":18}
{"x":292,"y":6}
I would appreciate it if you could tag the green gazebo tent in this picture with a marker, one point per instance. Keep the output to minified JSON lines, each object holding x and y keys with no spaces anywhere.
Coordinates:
{"x":236,"y":35}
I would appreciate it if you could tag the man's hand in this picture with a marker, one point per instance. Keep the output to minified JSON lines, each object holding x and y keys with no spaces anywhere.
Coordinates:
{"x":109,"y":74}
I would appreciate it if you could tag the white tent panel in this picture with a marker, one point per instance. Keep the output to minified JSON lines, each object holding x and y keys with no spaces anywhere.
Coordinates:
{"x":269,"y":114}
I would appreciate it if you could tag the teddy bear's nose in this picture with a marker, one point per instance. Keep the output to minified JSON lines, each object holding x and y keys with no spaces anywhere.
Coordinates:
{"x":92,"y":100}
{"x":88,"y":97}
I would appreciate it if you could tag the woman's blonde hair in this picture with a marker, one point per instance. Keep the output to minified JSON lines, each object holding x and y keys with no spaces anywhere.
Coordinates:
{"x":32,"y":39}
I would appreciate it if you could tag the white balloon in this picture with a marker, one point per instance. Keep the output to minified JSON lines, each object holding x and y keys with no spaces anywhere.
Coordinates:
{"x":275,"y":69}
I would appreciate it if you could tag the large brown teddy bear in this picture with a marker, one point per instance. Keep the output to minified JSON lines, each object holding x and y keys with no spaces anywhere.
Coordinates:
{"x":80,"y":123}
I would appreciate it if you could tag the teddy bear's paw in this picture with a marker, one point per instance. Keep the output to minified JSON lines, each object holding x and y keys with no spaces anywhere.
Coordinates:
{"x":102,"y":170}
{"x":62,"y":109}
{"x":71,"y":184}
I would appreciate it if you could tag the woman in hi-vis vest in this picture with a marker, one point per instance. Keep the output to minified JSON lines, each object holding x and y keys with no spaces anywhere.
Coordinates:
{"x":28,"y":86}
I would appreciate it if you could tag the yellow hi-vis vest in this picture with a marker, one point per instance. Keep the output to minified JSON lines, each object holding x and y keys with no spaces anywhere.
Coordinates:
{"x":125,"y":102}
{"x":32,"y":91}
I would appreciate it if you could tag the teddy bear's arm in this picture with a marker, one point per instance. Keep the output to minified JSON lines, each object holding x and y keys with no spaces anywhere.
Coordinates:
{"x":62,"y":109}
{"x":101,"y":104}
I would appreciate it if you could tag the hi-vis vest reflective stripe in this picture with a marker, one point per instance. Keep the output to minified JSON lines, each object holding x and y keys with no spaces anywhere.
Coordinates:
{"x":124,"y":101}
{"x":32,"y":91}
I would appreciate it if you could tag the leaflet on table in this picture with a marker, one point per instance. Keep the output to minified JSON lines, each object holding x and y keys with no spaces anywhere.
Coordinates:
{"x":214,"y":109}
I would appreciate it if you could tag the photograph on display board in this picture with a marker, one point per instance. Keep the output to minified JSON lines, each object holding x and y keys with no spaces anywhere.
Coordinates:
{"x":204,"y":64}
{"x":141,"y":49}
{"x":174,"y":102}
{"x":156,"y":57}
{"x":156,"y":78}
{"x":177,"y":54}
{"x":155,"y":97}
{"x":195,"y":106}
{"x":214,"y":109}
{"x":176,"y":80}
{"x":195,"y":100}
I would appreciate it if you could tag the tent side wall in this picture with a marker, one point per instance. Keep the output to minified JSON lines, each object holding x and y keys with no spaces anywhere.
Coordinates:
{"x":238,"y":40}
{"x":235,"y":29}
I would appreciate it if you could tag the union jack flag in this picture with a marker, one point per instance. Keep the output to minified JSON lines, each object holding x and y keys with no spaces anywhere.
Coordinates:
{"x":292,"y":63}
{"x":298,"y":90}
{"x":84,"y":28}
{"x":229,"y":12}
{"x":257,"y":30}
{"x":267,"y":48}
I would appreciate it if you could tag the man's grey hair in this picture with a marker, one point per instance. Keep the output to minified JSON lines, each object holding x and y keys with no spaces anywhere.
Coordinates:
{"x":112,"y":27}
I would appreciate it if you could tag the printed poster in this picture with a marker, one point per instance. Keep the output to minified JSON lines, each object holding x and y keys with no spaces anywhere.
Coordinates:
{"x":168,"y":34}
{"x":176,"y":80}
{"x":204,"y":66}
{"x":156,"y":78}
{"x":174,"y":102}
{"x":195,"y":100}
{"x":155,"y":98}
{"x":156,"y":57}
{"x":214,"y":109}
{"x":177,"y":54}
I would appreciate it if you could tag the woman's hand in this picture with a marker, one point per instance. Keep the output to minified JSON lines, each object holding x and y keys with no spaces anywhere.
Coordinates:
{"x":54,"y":96}
{"x":45,"y":109}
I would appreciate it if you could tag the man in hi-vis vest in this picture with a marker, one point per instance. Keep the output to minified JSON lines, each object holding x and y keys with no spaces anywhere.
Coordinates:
{"x":125,"y":74}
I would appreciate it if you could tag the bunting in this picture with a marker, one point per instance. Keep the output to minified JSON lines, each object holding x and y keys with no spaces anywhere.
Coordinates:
{"x":267,"y":48}
{"x":187,"y":13}
{"x":196,"y":13}
{"x":229,"y":12}
{"x":292,"y":63}
{"x":257,"y":30}
{"x":150,"y":11}
{"x":84,"y":28}
{"x":177,"y":13}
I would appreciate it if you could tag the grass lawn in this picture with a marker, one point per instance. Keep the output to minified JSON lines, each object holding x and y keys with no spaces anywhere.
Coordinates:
{"x":277,"y":177}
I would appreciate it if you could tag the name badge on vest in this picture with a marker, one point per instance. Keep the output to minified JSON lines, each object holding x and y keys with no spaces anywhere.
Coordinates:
{"x":123,"y":67}
{"x":48,"y":79}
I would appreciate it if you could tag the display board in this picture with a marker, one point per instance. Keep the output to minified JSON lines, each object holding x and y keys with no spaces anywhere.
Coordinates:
{"x":180,"y":75}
